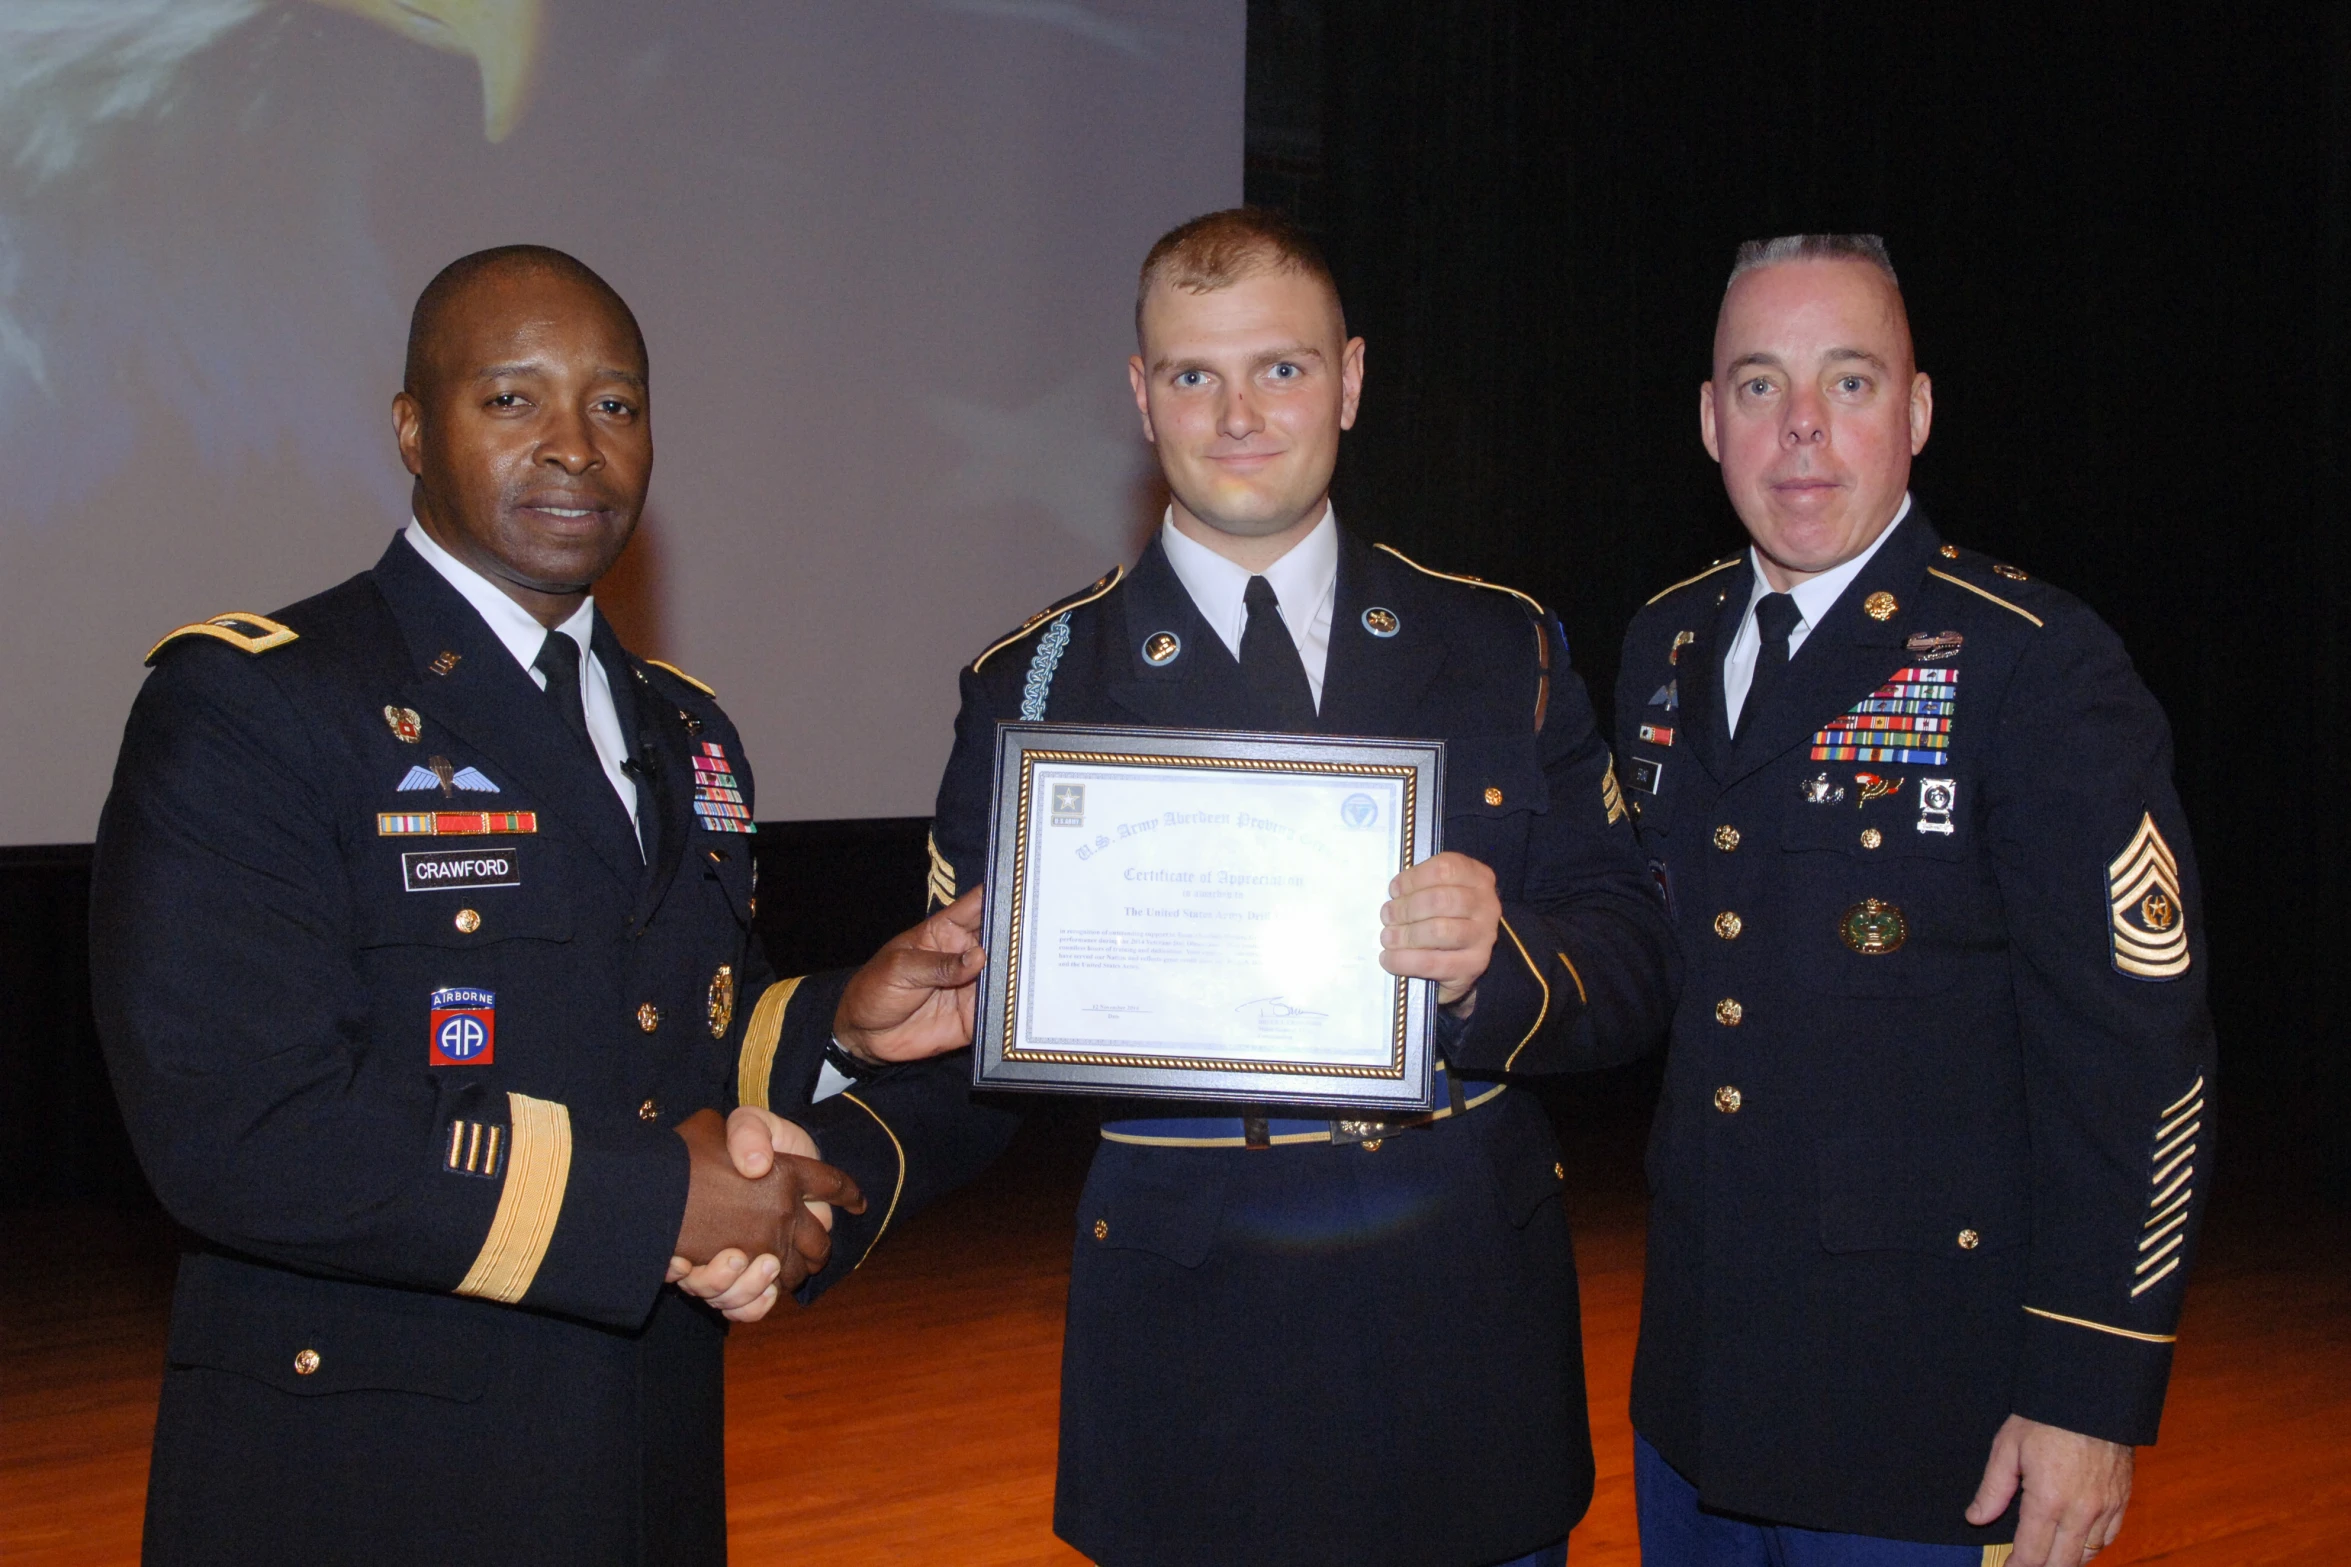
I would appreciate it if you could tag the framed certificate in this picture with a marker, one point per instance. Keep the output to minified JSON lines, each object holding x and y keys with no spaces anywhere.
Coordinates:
{"x":1195,"y":914}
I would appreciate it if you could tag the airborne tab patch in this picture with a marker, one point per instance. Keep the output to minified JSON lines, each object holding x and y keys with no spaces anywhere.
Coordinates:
{"x":2148,"y":923}
{"x":464,"y":1027}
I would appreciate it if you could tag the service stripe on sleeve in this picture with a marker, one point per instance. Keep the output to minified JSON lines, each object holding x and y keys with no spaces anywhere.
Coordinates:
{"x":760,"y":1035}
{"x":538,"y":1167}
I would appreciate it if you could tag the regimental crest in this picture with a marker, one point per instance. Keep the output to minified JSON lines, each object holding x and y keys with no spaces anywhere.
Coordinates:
{"x":720,"y":1003}
{"x":407,"y":727}
{"x":2148,"y":922}
{"x":1906,"y":721}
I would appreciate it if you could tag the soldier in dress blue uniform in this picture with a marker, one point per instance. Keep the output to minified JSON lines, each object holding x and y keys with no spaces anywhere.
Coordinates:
{"x":1936,"y":1130}
{"x":1300,"y":1340}
{"x":421,"y":937}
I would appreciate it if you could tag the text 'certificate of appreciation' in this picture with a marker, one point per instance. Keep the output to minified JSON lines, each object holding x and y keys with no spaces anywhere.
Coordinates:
{"x":1197,"y":915}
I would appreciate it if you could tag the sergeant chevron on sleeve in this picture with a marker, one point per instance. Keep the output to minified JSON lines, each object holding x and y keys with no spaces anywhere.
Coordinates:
{"x":1936,"y":1125}
{"x":422,"y":956}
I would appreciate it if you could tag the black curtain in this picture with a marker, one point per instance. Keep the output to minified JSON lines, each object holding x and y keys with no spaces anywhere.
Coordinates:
{"x":2121,"y":234}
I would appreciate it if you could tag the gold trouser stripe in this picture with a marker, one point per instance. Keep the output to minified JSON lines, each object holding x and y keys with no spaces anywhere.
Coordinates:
{"x":1535,"y":969}
{"x":897,"y":1191}
{"x":1997,"y":1555}
{"x":1439,"y":1114}
{"x":2100,"y":1327}
{"x":1980,"y":593}
{"x":538,"y":1167}
{"x":758,"y":1057}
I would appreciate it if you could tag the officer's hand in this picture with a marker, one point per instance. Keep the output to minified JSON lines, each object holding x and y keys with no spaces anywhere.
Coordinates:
{"x":2075,"y":1490}
{"x":740,"y":1287}
{"x":914,"y":999}
{"x":1440,"y":921}
{"x":763,"y":1216}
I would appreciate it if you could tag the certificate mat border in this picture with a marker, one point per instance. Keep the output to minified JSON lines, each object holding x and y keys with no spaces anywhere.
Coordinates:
{"x":1406,"y":1081}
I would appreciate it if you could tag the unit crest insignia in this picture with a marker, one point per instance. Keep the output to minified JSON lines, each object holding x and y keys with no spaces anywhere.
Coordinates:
{"x":722,"y":1000}
{"x":407,"y":726}
{"x":2149,"y":926}
{"x":1381,"y":622}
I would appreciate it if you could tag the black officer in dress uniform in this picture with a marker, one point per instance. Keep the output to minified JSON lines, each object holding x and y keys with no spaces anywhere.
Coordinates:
{"x":1308,"y":1341}
{"x":1936,"y":1128}
{"x":403,"y":1006}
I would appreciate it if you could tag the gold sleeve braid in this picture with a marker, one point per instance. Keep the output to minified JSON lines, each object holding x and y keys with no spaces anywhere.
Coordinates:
{"x":538,"y":1168}
{"x":760,"y":1036}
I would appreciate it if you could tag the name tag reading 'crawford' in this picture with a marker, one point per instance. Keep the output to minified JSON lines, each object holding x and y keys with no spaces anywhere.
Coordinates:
{"x":1195,"y":914}
{"x":449,"y":870}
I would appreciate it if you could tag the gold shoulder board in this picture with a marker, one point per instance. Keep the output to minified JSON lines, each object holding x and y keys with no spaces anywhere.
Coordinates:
{"x":682,"y":675}
{"x":1102,"y":584}
{"x":244,"y":632}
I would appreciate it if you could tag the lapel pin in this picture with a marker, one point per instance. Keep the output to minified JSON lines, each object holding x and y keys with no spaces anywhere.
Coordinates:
{"x":1161,"y":647}
{"x":1381,"y":622}
{"x":407,"y":728}
{"x":445,"y":661}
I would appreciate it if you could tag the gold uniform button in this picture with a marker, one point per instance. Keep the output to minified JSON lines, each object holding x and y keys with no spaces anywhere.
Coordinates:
{"x":648,"y":1111}
{"x":1949,"y":552}
{"x":1726,"y":838}
{"x":1728,"y":1012}
{"x":468,"y":921}
{"x":1558,"y":1171}
{"x":1969,"y":1240}
{"x":1728,"y":925}
{"x":1880,"y":606}
{"x":648,"y":1017}
{"x":1101,"y":1229}
{"x":1871,"y":837}
{"x":1726,"y":1099}
{"x":1493,"y":795}
{"x":305,"y":1362}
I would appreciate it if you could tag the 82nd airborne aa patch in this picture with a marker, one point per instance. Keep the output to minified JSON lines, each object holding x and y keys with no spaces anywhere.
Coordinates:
{"x":2149,"y":925}
{"x":464,"y":1028}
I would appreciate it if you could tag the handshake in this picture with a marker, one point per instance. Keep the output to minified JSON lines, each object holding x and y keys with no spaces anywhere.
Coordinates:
{"x":759,"y":1200}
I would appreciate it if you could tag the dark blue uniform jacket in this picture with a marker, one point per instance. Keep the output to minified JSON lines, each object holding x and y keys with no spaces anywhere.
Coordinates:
{"x":1321,"y":1352}
{"x":1937,"y":1126}
{"x":414,"y":1090}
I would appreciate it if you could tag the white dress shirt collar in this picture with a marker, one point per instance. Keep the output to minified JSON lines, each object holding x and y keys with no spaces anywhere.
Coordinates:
{"x":523,"y":636}
{"x":1814,"y":599}
{"x":1305,"y":583}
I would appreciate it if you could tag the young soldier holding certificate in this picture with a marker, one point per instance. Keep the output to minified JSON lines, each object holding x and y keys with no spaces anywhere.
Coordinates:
{"x":1310,"y":1341}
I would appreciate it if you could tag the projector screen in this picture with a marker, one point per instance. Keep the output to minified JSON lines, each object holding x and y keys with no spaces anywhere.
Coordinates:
{"x":883,"y":252}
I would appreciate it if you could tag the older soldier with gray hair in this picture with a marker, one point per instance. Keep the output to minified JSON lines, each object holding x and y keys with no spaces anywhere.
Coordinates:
{"x":1935,"y":1131}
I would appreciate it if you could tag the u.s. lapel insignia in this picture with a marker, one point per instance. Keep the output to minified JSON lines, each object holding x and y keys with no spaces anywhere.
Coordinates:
{"x":407,"y":727}
{"x":1879,"y":606}
{"x":1381,"y":622}
{"x":1874,"y":928}
{"x":2150,"y":925}
{"x":1929,"y":646}
{"x":1161,"y":647}
{"x":722,"y":1000}
{"x":1681,"y":639}
{"x":445,"y":661}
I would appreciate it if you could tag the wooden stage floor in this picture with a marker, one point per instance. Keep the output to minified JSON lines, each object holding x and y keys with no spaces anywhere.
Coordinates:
{"x":909,"y":1417}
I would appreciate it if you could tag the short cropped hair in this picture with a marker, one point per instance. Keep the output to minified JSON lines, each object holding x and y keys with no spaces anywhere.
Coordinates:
{"x":1219,"y":249}
{"x":1757,"y":254}
{"x":451,"y":282}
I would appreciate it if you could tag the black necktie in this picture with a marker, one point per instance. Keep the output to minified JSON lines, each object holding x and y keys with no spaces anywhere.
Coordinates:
{"x":1775,"y":616}
{"x":559,"y":661}
{"x":1270,"y":663}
